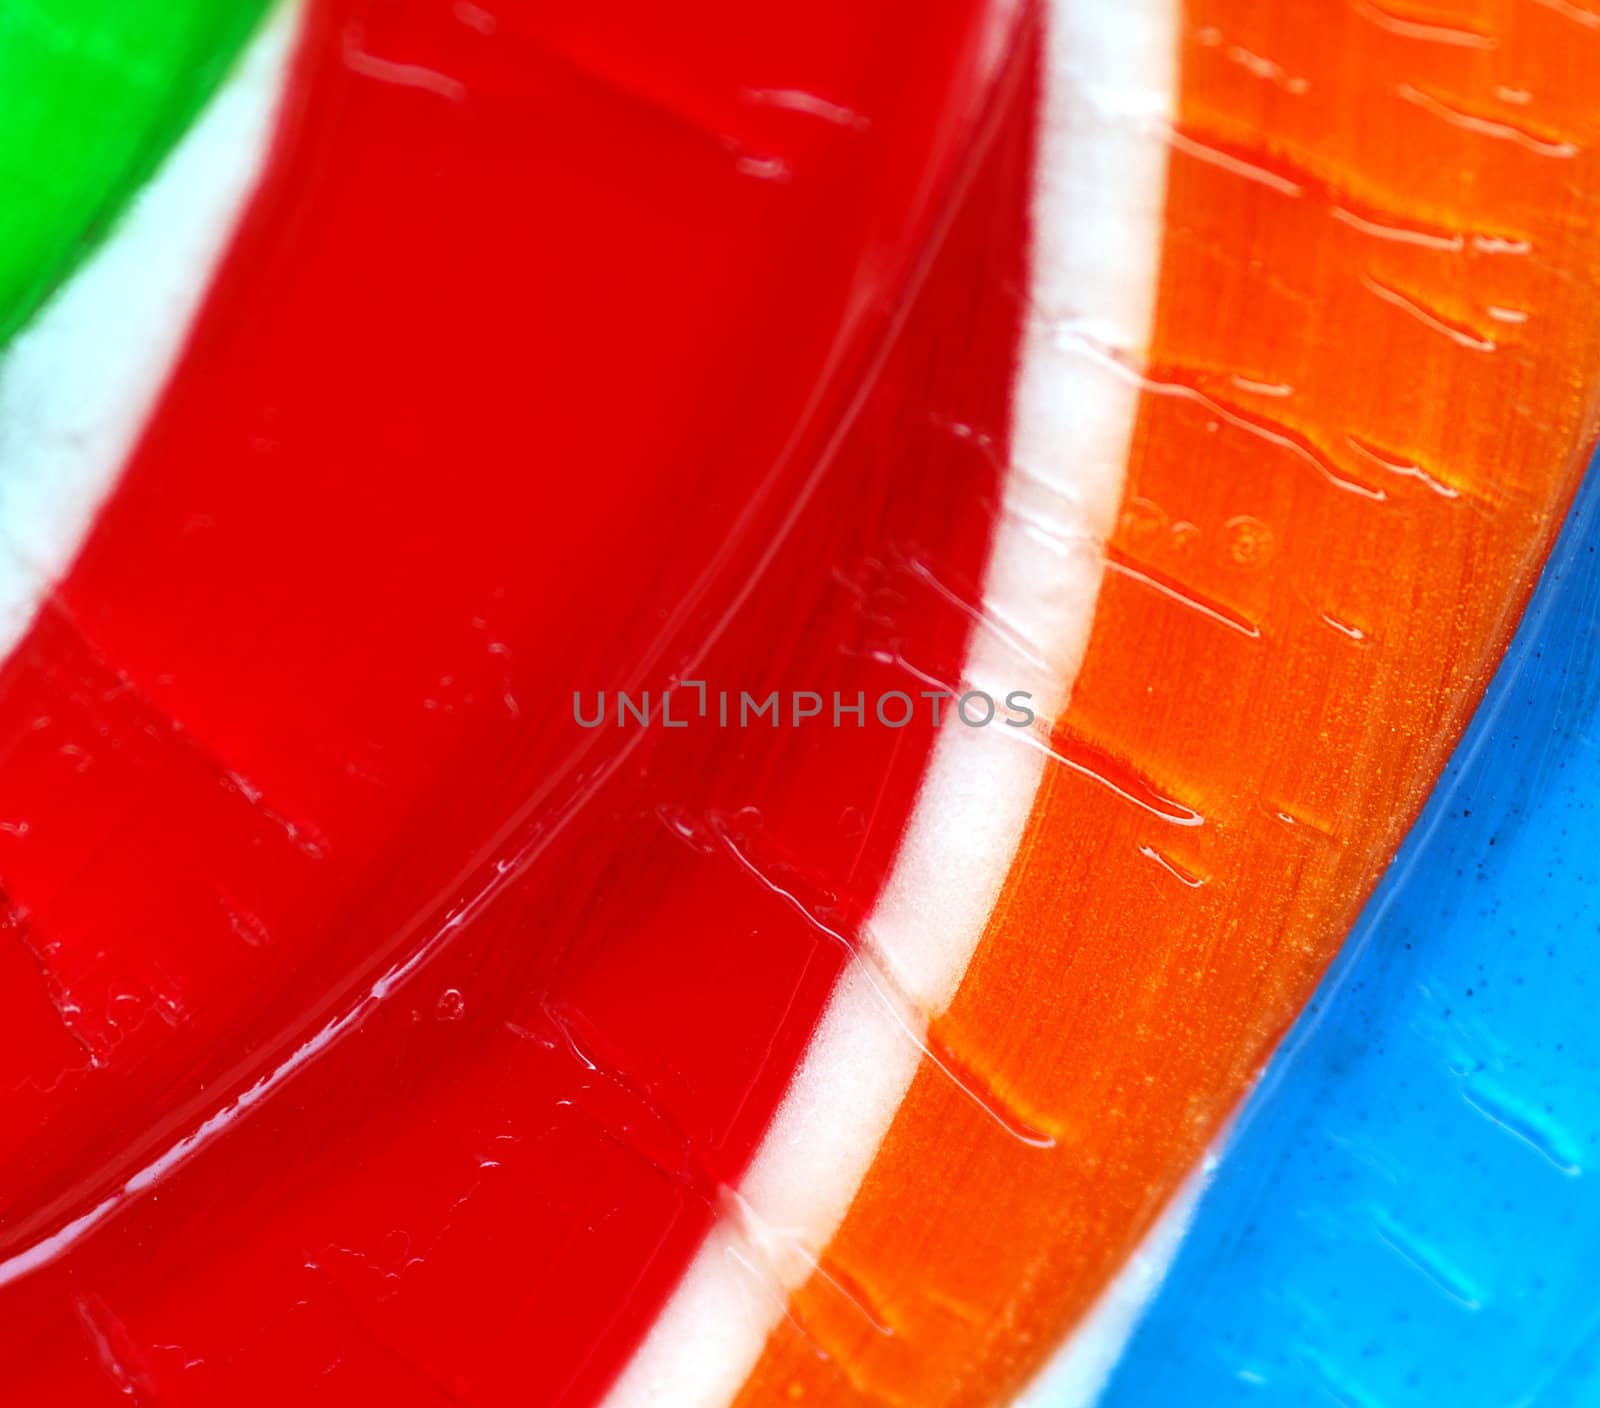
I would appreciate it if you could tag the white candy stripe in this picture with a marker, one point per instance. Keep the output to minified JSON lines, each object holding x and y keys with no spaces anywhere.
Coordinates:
{"x":78,"y":383}
{"x":1097,"y":216}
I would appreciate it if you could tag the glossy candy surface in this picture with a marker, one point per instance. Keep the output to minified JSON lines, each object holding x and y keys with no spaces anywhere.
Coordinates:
{"x":1404,"y":1211}
{"x":309,"y":822}
{"x":375,"y":1027}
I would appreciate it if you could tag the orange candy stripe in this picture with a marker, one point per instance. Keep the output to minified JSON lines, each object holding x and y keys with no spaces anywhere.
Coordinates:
{"x":1389,"y":210}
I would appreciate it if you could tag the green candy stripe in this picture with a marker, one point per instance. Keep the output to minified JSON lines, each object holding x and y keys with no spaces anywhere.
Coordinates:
{"x":92,"y":95}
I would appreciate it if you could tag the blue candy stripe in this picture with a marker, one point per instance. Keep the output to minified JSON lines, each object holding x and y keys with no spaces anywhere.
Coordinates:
{"x":1410,"y":1211}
